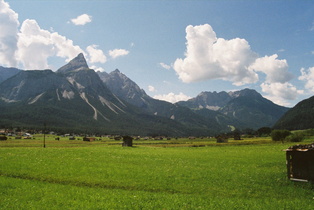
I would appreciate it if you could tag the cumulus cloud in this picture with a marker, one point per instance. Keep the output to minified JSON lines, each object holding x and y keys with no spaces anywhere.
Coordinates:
{"x":35,"y":45}
{"x":208,"y":57}
{"x":65,"y":47}
{"x":280,"y":93}
{"x":275,"y":70}
{"x":96,"y":55}
{"x":165,"y":66}
{"x":172,"y":98}
{"x":82,"y":19}
{"x":30,"y":46}
{"x":96,"y":68}
{"x":117,"y":53}
{"x":308,"y":77}
{"x":8,"y":34}
{"x":151,"y":88}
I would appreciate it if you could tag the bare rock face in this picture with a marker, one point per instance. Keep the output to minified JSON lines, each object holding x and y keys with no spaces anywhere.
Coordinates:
{"x":27,"y":85}
{"x":125,"y":88}
{"x":76,"y":64}
{"x":208,"y":100}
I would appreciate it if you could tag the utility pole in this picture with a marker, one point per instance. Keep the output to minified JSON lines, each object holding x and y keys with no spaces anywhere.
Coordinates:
{"x":45,"y":135}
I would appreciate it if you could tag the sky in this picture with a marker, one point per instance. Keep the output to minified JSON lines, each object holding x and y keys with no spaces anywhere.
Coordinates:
{"x":174,"y":50}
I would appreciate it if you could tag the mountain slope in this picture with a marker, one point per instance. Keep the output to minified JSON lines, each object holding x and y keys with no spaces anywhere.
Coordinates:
{"x":75,"y":64}
{"x":243,"y":109}
{"x":129,"y":91}
{"x":125,"y":88}
{"x":6,"y":73}
{"x":208,"y":100}
{"x":300,"y":117}
{"x":75,"y":99}
{"x":252,"y":110}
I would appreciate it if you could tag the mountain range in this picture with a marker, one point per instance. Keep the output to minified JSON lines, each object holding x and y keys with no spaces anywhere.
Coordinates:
{"x":76,"y":98}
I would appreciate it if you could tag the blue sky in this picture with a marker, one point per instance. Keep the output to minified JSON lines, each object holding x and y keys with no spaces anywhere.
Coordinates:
{"x":174,"y":50}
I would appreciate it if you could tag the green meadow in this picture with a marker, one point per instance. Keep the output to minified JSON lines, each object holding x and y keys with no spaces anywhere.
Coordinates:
{"x":167,"y":174}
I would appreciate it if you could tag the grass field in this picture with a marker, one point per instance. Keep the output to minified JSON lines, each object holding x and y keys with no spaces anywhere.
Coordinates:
{"x":171,"y":174}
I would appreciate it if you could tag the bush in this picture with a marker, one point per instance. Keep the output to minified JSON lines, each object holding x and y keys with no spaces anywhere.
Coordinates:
{"x":296,"y":137}
{"x":279,"y":135}
{"x":222,"y":138}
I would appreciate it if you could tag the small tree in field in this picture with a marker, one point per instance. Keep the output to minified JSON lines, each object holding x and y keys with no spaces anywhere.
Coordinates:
{"x":279,"y":135}
{"x":296,"y":137}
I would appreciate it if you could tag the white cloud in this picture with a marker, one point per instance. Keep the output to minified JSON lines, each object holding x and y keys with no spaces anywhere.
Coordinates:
{"x":31,"y":46}
{"x":65,"y":48}
{"x":82,"y":19}
{"x":172,"y":98}
{"x":151,"y":88}
{"x":308,"y":77}
{"x":275,"y":70}
{"x":208,"y":57}
{"x":280,"y":93}
{"x":8,"y":34}
{"x":96,"y":68}
{"x":117,"y":53}
{"x":35,"y":45}
{"x":96,"y":55}
{"x":165,"y":66}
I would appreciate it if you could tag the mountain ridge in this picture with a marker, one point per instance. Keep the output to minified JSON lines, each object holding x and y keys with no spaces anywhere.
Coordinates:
{"x":299,"y":117}
{"x":114,"y":103}
{"x":6,"y":73}
{"x":245,"y":108}
{"x":75,"y":98}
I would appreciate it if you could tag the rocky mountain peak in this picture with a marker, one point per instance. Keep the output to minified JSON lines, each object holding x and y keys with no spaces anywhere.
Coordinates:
{"x":116,"y":74}
{"x":123,"y":87}
{"x":117,"y":71}
{"x":244,"y":92}
{"x":76,"y":64}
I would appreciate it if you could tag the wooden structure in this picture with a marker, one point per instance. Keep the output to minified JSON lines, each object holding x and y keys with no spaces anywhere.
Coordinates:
{"x":3,"y":137}
{"x":90,"y":139}
{"x":127,"y":141}
{"x":300,"y":163}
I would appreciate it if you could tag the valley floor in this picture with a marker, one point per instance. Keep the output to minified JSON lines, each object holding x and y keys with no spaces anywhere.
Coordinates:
{"x":187,"y":174}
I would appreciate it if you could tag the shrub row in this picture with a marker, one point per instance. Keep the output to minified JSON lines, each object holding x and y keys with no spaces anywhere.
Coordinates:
{"x":285,"y":135}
